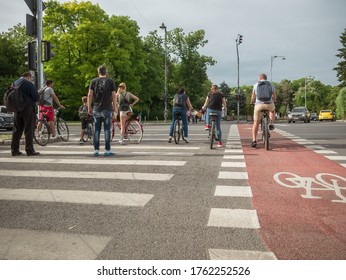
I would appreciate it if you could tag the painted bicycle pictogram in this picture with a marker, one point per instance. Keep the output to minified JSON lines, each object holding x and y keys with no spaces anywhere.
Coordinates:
{"x":314,"y":187}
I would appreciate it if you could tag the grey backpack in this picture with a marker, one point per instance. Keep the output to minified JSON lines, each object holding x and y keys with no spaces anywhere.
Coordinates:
{"x":178,"y":100}
{"x":264,"y":91}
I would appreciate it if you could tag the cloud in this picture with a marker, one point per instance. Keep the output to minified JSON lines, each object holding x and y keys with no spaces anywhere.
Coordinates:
{"x":305,"y":32}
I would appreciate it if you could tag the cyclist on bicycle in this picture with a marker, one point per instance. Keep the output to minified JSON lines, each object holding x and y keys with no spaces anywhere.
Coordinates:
{"x":84,"y":118}
{"x":48,"y":109}
{"x":215,"y":103}
{"x":125,"y":107}
{"x":180,"y":101}
{"x":264,"y":95}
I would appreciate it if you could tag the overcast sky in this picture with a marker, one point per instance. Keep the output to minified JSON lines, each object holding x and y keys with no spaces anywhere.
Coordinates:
{"x":306,"y":32}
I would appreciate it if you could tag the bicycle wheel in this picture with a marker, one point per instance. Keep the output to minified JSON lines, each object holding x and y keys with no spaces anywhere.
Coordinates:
{"x":42,"y":135}
{"x":90,"y":133}
{"x":134,"y":131}
{"x":262,"y":129}
{"x":182,"y":131}
{"x":176,"y":132}
{"x":212,"y":133}
{"x":63,"y":130}
{"x":86,"y":134}
{"x":266,"y":133}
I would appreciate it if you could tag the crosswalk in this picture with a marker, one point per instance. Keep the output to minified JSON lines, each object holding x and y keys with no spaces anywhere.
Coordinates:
{"x":235,"y":218}
{"x":329,"y":154}
{"x":103,"y":191}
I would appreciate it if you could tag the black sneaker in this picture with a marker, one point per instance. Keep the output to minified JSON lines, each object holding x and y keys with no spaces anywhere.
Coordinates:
{"x":253,"y":144}
{"x":34,"y":153}
{"x":271,"y":127}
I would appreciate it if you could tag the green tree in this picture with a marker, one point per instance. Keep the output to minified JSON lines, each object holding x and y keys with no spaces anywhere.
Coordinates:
{"x":341,"y":66}
{"x":79,"y":33}
{"x":191,"y":67}
{"x":226,"y":90}
{"x":341,"y":104}
{"x":284,"y":93}
{"x":13,"y":46}
{"x":153,"y":78}
{"x":84,"y":38}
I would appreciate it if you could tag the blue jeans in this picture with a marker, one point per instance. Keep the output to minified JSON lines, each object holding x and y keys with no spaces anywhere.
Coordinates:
{"x":106,"y":117}
{"x":183,"y":118}
{"x":218,"y":121}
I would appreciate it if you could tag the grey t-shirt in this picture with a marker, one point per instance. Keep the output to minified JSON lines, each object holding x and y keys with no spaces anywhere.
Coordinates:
{"x":47,"y":96}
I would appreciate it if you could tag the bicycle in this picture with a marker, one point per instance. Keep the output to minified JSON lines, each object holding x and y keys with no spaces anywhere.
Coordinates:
{"x":89,"y":131}
{"x":265,"y":122}
{"x":178,"y":128}
{"x":265,"y":128}
{"x":42,"y":129}
{"x":212,"y":131}
{"x":133,"y":130}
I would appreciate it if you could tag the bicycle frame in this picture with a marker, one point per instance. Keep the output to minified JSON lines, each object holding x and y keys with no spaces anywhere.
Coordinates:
{"x":178,"y":128}
{"x":265,"y":128}
{"x":43,"y":125}
{"x":212,"y":130}
{"x":129,"y":129}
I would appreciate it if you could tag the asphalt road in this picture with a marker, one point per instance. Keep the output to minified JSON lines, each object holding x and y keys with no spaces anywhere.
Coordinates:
{"x":154,"y":200}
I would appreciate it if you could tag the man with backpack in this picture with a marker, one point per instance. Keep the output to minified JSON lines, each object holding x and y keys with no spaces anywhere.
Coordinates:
{"x":263,"y":95}
{"x":180,"y":103}
{"x":47,"y":97}
{"x":24,"y":120}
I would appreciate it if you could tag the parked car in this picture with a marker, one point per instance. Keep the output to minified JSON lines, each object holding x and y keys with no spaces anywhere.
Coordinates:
{"x":313,"y":117}
{"x":6,"y":118}
{"x":327,"y":115}
{"x":299,"y":114}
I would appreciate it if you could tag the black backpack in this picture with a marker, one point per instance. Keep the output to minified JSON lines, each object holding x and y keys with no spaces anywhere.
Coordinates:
{"x":13,"y":98}
{"x":264,"y":91}
{"x":178,"y":100}
{"x":41,"y":93}
{"x":124,"y":104}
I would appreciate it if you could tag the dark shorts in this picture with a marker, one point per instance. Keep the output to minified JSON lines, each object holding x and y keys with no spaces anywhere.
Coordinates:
{"x":85,"y":121}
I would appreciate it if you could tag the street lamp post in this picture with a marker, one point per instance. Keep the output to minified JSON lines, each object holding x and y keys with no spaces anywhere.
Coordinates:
{"x":271,"y":64}
{"x":238,"y":41}
{"x":164,"y":27}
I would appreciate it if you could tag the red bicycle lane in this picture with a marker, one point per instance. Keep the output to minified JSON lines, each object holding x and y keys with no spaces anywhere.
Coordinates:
{"x":296,"y":223}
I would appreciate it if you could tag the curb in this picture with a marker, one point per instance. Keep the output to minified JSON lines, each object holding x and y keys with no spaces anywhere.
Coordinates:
{"x":7,"y":142}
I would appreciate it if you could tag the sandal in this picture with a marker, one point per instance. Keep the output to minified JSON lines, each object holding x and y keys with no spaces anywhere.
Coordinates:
{"x":253,"y":144}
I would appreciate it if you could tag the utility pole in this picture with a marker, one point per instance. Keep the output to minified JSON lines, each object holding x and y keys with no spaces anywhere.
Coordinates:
{"x":238,"y":41}
{"x":34,"y":28}
{"x":165,"y":113}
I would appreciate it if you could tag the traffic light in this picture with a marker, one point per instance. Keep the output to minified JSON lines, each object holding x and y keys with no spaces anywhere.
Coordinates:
{"x":239,"y":39}
{"x":31,"y":54}
{"x":48,"y":54}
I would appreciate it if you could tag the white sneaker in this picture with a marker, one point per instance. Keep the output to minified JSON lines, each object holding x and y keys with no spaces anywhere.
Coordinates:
{"x":186,"y":140}
{"x":109,"y":153}
{"x":121,"y":142}
{"x":170,"y":139}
